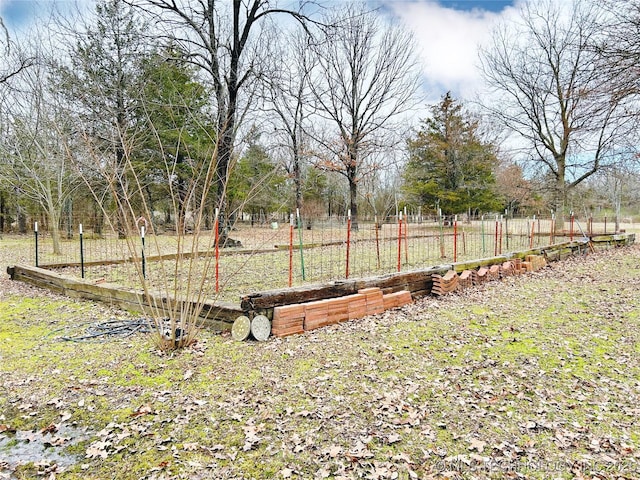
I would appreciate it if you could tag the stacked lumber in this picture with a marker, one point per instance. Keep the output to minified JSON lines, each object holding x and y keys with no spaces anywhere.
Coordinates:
{"x":288,"y":320}
{"x":396,"y":299}
{"x":338,"y":309}
{"x":480,"y":276}
{"x":537,"y":262}
{"x":357,"y":306}
{"x":316,"y":314}
{"x":445,"y":284}
{"x":465,"y":280}
{"x":374,"y":300}
{"x":298,"y":318}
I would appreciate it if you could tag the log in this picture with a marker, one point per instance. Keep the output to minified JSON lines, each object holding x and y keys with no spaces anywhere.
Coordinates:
{"x":414,"y":281}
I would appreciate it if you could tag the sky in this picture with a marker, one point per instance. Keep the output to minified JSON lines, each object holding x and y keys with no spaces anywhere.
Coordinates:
{"x":447,"y":34}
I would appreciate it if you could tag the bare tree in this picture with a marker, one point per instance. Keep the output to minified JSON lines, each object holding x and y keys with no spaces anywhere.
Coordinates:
{"x":291,"y":100}
{"x":33,"y":147}
{"x":226,"y":40}
{"x":18,"y":61}
{"x":102,"y":81}
{"x":621,"y":46}
{"x":365,"y":80}
{"x":546,"y":71}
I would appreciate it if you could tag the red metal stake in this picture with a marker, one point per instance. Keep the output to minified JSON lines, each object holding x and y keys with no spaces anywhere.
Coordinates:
{"x":533,"y":226}
{"x":399,"y":240}
{"x":571,"y":228}
{"x":291,"y":250}
{"x":348,"y":241}
{"x":216,"y":225}
{"x":377,"y":242}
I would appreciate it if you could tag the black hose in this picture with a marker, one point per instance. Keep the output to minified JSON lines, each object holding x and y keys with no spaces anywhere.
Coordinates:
{"x":109,"y":329}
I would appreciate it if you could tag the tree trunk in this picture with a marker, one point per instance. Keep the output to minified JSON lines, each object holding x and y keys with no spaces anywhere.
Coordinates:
{"x":297,"y":178}
{"x":560,"y":198}
{"x":53,"y":218}
{"x":22,"y":221}
{"x":3,"y":211}
{"x":353,"y":199}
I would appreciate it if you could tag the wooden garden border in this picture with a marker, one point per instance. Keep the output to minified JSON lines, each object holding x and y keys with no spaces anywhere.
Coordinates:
{"x":220,"y":315}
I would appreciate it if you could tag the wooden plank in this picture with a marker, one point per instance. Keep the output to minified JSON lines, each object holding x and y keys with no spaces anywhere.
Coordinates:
{"x":304,"y":294}
{"x":118,"y":296}
{"x":416,"y":280}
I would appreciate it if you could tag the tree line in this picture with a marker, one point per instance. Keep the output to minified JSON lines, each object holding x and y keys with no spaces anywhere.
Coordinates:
{"x":190,"y":113}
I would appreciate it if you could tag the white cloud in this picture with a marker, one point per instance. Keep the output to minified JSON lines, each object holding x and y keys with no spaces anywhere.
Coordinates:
{"x":449,"y":40}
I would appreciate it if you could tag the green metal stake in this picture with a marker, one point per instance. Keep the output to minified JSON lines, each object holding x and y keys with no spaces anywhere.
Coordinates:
{"x":301,"y":249}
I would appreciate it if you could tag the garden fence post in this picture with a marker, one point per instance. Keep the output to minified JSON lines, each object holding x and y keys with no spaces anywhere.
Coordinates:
{"x":506,"y":228}
{"x":484,"y":252}
{"x":406,"y":237}
{"x":299,"y":223}
{"x":399,"y":239}
{"x":35,"y":232}
{"x":377,"y":240}
{"x":346,"y":275}
{"x":571,"y":218}
{"x":291,"y":249}
{"x":144,"y":266}
{"x":441,"y":225}
{"x":533,"y":225}
{"x":81,"y":251}
{"x":216,"y":247}
{"x":495,"y":243}
{"x":455,"y":239}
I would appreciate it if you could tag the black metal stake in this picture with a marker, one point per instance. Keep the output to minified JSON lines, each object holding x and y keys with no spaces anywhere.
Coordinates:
{"x":144,"y":263}
{"x":81,"y":254}
{"x":35,"y":230}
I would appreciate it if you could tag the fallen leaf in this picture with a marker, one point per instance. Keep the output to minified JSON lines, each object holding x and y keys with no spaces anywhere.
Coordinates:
{"x":98,"y":449}
{"x":334,"y":451}
{"x":393,"y":438}
{"x":286,"y":472}
{"x":477,"y":445}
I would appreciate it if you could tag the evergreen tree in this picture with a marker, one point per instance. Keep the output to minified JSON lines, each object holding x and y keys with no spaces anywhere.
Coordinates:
{"x":179,"y":139}
{"x":102,"y":84}
{"x":449,"y":166}
{"x":257,"y":185}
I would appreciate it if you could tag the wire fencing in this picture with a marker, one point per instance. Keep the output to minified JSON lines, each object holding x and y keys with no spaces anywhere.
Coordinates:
{"x":283,"y":252}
